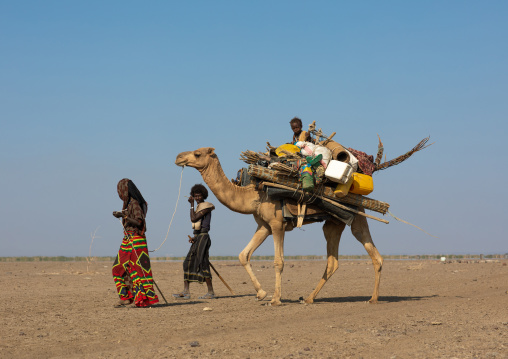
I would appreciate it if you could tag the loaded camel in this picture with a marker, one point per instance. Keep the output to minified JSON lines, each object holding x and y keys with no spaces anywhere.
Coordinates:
{"x":268,"y":216}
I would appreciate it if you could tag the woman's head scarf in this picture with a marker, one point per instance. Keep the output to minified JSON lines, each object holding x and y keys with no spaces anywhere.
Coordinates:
{"x":127,"y":190}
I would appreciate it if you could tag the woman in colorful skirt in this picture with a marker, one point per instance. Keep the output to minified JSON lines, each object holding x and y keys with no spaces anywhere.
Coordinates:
{"x":196,"y":266}
{"x":132,"y":263}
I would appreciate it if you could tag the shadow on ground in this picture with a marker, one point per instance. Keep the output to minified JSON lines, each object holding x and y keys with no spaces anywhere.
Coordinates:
{"x":180,"y":302}
{"x":382,"y":299}
{"x":389,"y":299}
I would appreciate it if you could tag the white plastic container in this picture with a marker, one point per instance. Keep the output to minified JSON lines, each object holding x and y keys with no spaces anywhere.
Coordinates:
{"x":339,"y":172}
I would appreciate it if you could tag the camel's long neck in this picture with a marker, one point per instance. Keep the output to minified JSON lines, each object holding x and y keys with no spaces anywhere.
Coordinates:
{"x":238,"y":199}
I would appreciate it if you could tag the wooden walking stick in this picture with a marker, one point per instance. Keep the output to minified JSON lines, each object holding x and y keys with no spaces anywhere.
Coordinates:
{"x":223,"y":281}
{"x":160,"y":291}
{"x":218,"y":275}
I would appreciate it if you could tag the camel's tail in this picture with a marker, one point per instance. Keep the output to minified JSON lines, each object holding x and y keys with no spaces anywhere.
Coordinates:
{"x":420,"y":146}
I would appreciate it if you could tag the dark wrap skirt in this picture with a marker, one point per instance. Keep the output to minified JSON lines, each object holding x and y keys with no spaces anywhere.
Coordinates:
{"x":196,"y":266}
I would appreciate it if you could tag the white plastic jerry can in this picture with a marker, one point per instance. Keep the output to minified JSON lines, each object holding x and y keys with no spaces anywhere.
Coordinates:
{"x":338,"y":171}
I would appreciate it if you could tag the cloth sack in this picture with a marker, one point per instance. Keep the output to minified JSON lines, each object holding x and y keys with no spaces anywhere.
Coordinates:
{"x":310,"y":149}
{"x":203,"y":205}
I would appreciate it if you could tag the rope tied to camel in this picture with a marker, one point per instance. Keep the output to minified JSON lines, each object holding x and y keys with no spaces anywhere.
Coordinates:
{"x":173,"y":216}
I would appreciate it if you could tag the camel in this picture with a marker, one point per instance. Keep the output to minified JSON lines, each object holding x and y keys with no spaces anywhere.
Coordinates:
{"x":268,"y":216}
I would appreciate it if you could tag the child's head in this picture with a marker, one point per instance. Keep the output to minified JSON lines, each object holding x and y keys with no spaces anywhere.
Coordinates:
{"x":296,"y":125}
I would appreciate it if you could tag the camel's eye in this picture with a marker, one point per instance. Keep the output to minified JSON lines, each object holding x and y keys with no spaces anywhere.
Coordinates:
{"x":197,"y":154}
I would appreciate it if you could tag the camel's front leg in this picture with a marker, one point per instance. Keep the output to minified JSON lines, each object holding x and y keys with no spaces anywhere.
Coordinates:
{"x":332,"y":233}
{"x":278,"y":242}
{"x":360,"y":230}
{"x":259,"y":237}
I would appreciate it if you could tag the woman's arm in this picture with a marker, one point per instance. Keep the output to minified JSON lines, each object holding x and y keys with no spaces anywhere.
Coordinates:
{"x":128,"y":220}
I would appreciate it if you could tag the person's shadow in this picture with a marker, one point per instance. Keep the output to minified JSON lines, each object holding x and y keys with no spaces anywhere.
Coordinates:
{"x":179,"y":302}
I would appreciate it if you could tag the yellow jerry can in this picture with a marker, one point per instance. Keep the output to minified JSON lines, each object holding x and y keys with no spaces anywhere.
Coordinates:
{"x":343,"y":188}
{"x":362,"y":184}
{"x":286,"y":147}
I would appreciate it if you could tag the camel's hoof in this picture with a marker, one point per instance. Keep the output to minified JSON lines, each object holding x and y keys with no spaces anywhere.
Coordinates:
{"x":372,"y":301}
{"x":261,"y":295}
{"x":309,"y":300}
{"x":274,"y":302}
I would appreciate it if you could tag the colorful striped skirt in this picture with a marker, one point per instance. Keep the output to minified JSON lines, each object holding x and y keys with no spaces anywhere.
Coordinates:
{"x":133,"y":259}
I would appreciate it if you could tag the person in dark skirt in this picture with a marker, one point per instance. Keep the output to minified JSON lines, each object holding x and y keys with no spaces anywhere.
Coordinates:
{"x":196,"y":266}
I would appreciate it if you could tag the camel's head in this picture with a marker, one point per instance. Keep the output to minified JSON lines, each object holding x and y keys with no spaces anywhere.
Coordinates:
{"x":199,"y":159}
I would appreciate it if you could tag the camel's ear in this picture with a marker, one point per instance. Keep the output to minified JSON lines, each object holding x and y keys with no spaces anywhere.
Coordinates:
{"x":211,"y":151}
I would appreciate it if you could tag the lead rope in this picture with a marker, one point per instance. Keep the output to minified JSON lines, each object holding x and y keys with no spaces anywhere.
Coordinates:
{"x":176,"y":206}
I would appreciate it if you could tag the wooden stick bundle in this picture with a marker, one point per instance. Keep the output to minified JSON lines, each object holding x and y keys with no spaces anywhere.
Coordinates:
{"x":325,"y":191}
{"x":335,"y":203}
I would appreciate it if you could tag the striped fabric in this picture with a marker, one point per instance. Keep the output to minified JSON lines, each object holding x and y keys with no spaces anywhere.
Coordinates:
{"x":133,"y":259}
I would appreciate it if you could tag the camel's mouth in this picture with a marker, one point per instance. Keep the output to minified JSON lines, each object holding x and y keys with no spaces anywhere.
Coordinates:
{"x":181,"y":160}
{"x":180,"y":163}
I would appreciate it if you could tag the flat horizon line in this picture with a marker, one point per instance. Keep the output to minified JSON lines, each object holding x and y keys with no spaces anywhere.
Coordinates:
{"x":259,"y":258}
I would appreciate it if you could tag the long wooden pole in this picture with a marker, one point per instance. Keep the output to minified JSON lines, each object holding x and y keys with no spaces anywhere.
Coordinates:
{"x":222,"y":279}
{"x":160,"y":291}
{"x":330,"y":201}
{"x":273,"y":176}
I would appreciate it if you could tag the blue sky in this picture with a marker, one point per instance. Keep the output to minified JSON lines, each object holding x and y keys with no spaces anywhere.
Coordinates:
{"x":93,"y":92}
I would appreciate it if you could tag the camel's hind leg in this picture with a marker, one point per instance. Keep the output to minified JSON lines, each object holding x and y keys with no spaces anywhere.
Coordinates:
{"x":332,"y":232}
{"x":262,"y":232}
{"x":360,"y":230}
{"x":278,"y":229}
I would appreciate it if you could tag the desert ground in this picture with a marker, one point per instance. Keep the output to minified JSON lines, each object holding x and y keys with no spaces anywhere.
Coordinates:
{"x":427,"y":309}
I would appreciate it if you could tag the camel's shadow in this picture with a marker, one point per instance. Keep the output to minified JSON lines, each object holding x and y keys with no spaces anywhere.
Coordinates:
{"x":381,"y":300}
{"x":237,"y":296}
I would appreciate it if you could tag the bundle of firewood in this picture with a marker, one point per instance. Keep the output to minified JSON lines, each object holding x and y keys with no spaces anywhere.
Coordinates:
{"x":252,"y":157}
{"x":281,"y":166}
{"x":269,"y":175}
